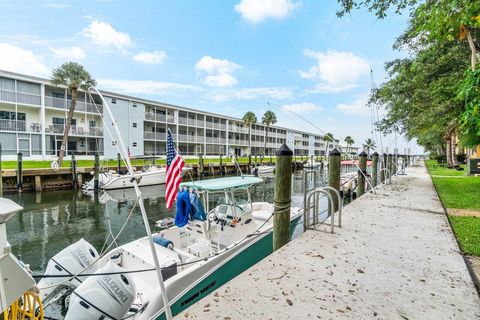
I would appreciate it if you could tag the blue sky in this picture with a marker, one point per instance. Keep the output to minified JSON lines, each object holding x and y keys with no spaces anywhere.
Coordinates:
{"x":223,"y":56}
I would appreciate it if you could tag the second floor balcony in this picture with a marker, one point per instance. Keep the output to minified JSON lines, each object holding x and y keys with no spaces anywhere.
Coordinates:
{"x":62,"y":103}
{"x":19,"y":97}
{"x":19,"y":126}
{"x":75,"y":130}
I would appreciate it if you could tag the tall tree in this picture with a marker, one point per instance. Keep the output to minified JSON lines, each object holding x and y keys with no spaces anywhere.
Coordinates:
{"x":349,"y":141}
{"x":268,"y":119}
{"x":73,"y":76}
{"x":369,"y":144}
{"x":248,"y":119}
{"x":328,"y":137}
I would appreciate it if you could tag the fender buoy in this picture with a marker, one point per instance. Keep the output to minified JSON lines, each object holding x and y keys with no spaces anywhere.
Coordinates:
{"x":54,"y":165}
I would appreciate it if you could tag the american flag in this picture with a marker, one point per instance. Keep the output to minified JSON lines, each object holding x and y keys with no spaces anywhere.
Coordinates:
{"x":175,"y":165}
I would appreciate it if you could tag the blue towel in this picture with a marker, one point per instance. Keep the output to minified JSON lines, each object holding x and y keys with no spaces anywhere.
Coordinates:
{"x":184,"y":209}
{"x":198,"y":211}
{"x":158,"y":239}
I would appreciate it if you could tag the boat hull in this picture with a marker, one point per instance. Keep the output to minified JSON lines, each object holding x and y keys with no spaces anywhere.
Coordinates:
{"x":240,"y":261}
{"x":147,"y":179}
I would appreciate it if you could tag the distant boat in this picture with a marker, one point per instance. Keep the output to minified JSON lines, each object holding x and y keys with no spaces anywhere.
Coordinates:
{"x":112,"y":180}
{"x":263,"y":170}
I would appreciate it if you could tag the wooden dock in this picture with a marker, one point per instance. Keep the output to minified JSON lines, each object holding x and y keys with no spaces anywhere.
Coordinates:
{"x":395,"y":257}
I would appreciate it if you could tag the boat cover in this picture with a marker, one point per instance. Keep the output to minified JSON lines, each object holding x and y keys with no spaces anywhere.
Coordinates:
{"x":222,"y":183}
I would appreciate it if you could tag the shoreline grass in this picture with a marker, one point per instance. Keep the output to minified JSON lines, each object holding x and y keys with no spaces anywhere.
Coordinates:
{"x":459,"y":194}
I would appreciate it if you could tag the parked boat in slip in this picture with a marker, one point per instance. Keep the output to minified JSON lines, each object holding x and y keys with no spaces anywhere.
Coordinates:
{"x":195,"y":259}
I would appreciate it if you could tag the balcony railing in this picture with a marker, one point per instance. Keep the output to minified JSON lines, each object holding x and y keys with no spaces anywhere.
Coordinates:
{"x":182,"y":120}
{"x":74,"y":130}
{"x":155,"y":136}
{"x":62,"y":103}
{"x":20,"y":97}
{"x":19,"y":125}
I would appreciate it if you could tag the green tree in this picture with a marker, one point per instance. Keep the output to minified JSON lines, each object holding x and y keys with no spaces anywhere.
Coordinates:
{"x":328,"y":137}
{"x":73,"y":76}
{"x":268,"y":119}
{"x":349,"y":141}
{"x":369,"y":144}
{"x":248,"y":119}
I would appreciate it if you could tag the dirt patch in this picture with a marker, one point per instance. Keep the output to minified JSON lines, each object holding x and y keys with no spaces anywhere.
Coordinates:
{"x":463,"y":212}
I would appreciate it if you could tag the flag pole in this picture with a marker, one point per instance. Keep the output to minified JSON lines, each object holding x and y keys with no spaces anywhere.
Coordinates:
{"x":168,"y":311}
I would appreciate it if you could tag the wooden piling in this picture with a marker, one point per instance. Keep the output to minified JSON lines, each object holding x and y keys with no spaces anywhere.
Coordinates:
{"x":334,"y":167}
{"x":38,"y":183}
{"x":119,"y":162}
{"x":74,"y":172}
{"x":221,"y":166}
{"x":390,"y":165}
{"x":283,"y":196}
{"x":200,"y":166}
{"x":383,"y":174}
{"x":19,"y":172}
{"x":96,"y":170}
{"x":362,"y":164}
{"x":374,"y":169}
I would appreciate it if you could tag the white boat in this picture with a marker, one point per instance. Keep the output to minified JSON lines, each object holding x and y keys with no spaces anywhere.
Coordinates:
{"x":348,"y":182}
{"x":312,"y":165}
{"x":263,"y":170}
{"x":195,"y":259}
{"x":148,"y":177}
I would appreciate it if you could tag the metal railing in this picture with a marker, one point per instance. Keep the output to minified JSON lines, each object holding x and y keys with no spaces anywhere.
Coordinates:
{"x":19,"y":125}
{"x":74,"y":130}
{"x":155,"y":135}
{"x":62,"y":103}
{"x":20,"y":97}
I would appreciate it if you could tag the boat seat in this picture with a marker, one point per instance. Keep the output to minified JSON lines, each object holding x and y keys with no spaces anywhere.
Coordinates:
{"x":198,"y":228}
{"x":261,"y":215}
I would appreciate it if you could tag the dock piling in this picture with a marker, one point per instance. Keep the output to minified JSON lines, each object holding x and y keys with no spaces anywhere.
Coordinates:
{"x":362,"y":164}
{"x":119,"y":162}
{"x":390,"y":166}
{"x":283,"y":196}
{"x":96,"y":170}
{"x":334,"y":165}
{"x":374,"y":169}
{"x":19,"y":171}
{"x":221,"y":165}
{"x":74,"y":172}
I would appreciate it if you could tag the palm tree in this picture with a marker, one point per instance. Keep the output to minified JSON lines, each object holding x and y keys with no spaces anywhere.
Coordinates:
{"x":328,"y":137}
{"x":369,"y":144}
{"x":248,"y":119}
{"x":349,"y":141}
{"x":73,"y":76}
{"x":268,"y":118}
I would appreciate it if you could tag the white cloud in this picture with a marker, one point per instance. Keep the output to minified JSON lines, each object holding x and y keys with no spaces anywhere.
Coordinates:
{"x":105,"y":35}
{"x":146,"y":87}
{"x":252,"y":93}
{"x":155,"y":57}
{"x":304,"y":107}
{"x":358,"y":106}
{"x":19,"y":60}
{"x":68,"y":53}
{"x":337,"y":71}
{"x":55,"y":5}
{"x":255,"y":11}
{"x":218,"y":71}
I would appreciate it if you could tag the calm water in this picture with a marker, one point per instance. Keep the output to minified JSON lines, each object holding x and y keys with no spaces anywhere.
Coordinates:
{"x":51,"y":221}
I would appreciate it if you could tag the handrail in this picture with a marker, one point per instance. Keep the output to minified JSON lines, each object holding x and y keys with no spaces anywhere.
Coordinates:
{"x":306,"y":211}
{"x":340,"y":203}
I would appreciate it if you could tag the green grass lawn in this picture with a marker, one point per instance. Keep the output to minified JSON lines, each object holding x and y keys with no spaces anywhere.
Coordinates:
{"x":459,"y":191}
{"x":37,"y":164}
{"x":436,"y":170}
{"x":467,"y":230}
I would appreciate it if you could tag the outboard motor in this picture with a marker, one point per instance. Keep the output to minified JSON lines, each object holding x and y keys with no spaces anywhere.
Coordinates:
{"x":107,"y":295}
{"x":73,"y":259}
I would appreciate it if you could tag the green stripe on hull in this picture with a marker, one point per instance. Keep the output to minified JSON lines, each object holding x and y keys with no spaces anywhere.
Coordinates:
{"x":228,"y":271}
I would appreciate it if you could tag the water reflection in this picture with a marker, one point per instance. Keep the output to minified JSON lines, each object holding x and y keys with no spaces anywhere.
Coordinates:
{"x":51,"y":221}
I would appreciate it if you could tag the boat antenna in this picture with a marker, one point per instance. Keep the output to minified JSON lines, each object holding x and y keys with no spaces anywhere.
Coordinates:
{"x":124,"y":153}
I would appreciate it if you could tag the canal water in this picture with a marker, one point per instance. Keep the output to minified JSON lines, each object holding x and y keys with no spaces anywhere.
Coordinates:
{"x":51,"y":221}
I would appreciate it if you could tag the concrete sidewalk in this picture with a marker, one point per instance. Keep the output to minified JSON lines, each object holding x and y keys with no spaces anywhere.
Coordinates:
{"x":394,"y":258}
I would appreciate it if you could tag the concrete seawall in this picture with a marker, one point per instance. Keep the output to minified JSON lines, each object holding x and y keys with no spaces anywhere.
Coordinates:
{"x":395,"y":257}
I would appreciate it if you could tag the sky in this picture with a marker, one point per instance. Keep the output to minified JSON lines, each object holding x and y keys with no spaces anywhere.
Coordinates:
{"x":294,"y":57}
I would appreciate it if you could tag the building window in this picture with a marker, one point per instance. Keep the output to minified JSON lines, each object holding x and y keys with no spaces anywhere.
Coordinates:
{"x":114,"y":143}
{"x":134,"y":105}
{"x":134,"y":124}
{"x":114,"y":101}
{"x":91,"y":123}
{"x":134,"y":144}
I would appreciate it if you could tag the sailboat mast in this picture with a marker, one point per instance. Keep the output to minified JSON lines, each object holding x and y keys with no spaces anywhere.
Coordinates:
{"x":168,"y":311}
